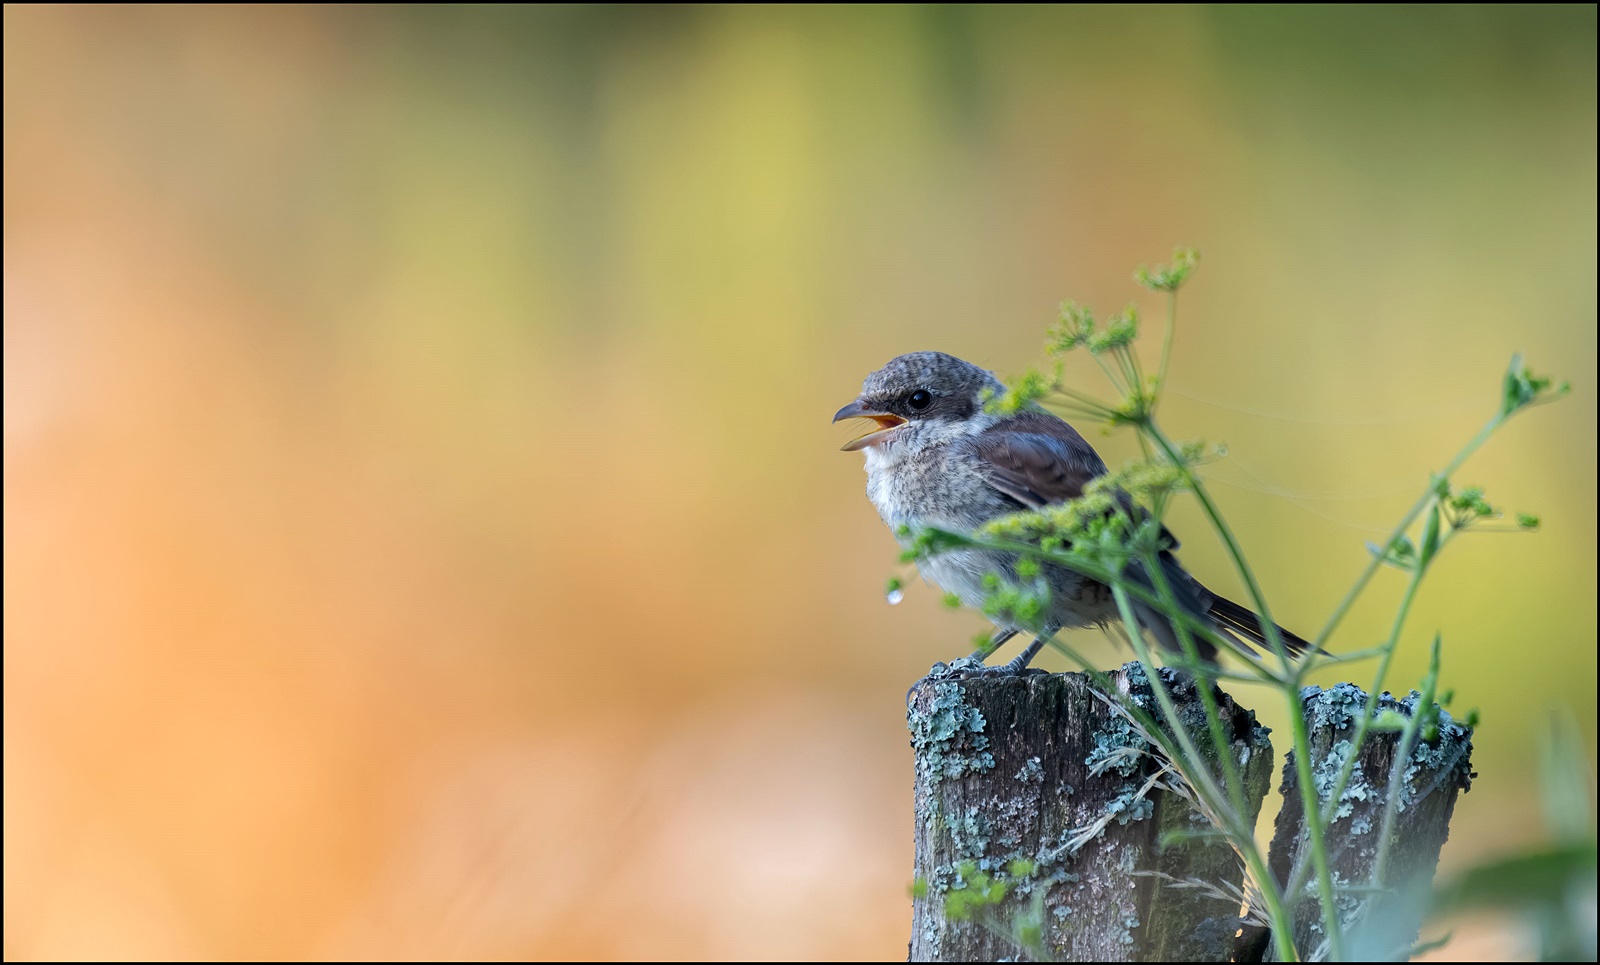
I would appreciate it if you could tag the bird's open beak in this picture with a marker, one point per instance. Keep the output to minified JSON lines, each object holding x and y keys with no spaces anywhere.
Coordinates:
{"x":858,"y":410}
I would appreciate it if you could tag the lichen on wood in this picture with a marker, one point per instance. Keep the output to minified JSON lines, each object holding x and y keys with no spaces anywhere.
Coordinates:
{"x":1438,"y":768}
{"x":1036,"y":788}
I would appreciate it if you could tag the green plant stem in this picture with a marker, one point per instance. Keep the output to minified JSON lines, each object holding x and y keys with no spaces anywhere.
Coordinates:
{"x":1243,"y":841}
{"x":1402,"y":755}
{"x":1169,"y":710}
{"x":1107,"y":370}
{"x":1302,"y":743}
{"x":1269,"y":629}
{"x":1277,"y":911}
{"x":1209,"y":803}
{"x":1315,"y":827}
{"x":1130,"y":368}
{"x":1358,"y":739}
{"x":1387,"y":651}
{"x":1352,"y":656}
{"x":1230,"y":770}
{"x":1166,"y":350}
{"x":1410,"y":517}
{"x":1244,"y":836}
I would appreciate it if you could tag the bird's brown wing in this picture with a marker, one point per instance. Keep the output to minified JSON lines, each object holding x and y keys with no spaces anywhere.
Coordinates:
{"x":1036,"y":459}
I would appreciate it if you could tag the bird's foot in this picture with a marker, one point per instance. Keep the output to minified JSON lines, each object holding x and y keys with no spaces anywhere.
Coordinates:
{"x":973,"y":666}
{"x":957,"y":669}
{"x":1005,"y":670}
{"x":969,"y":667}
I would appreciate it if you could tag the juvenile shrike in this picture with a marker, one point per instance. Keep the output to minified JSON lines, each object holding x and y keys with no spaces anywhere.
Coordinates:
{"x":937,"y":459}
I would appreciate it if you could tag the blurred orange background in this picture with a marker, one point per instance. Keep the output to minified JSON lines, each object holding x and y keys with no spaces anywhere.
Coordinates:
{"x":424,"y":531}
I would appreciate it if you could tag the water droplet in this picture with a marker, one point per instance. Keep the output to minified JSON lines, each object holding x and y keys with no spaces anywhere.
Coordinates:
{"x":894,"y":596}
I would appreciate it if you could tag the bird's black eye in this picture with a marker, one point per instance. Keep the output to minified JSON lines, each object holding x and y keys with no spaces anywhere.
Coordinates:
{"x":921,"y":399}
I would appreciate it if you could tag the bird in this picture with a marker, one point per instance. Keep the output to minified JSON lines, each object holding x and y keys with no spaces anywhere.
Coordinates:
{"x":938,"y":458}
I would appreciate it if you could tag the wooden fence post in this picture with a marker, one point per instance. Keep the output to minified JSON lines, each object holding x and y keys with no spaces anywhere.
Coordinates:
{"x":1037,"y":786}
{"x":1435,"y":773}
{"x":1003,"y":769}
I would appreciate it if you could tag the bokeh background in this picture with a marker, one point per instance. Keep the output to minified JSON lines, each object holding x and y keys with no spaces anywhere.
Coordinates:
{"x":424,"y":534}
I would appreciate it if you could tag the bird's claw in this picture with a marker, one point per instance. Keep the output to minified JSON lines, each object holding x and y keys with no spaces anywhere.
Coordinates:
{"x":1004,"y":670}
{"x":974,"y":666}
{"x":956,"y":669}
{"x":969,"y":667}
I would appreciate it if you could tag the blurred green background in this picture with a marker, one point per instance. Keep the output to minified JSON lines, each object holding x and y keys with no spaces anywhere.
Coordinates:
{"x":424,"y":531}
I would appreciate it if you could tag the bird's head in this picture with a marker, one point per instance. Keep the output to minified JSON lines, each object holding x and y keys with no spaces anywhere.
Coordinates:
{"x":920,"y":399}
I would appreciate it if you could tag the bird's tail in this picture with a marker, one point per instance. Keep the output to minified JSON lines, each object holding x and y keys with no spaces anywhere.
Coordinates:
{"x":1243,"y":624}
{"x":1231,"y":620}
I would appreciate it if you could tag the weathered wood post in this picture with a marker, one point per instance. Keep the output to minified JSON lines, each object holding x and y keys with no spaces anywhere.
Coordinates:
{"x":1005,"y":772}
{"x":1436,"y":771}
{"x":1037,"y":785}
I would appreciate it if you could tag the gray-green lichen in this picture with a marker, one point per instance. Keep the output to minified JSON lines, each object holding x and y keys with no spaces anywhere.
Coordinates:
{"x":1348,"y":905}
{"x":1439,"y":757}
{"x":1443,"y":759}
{"x":1338,"y":707}
{"x":1325,"y":774}
{"x":969,"y":833}
{"x":1118,"y":746}
{"x":936,"y":735}
{"x":1130,"y":805}
{"x":1129,"y":860}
